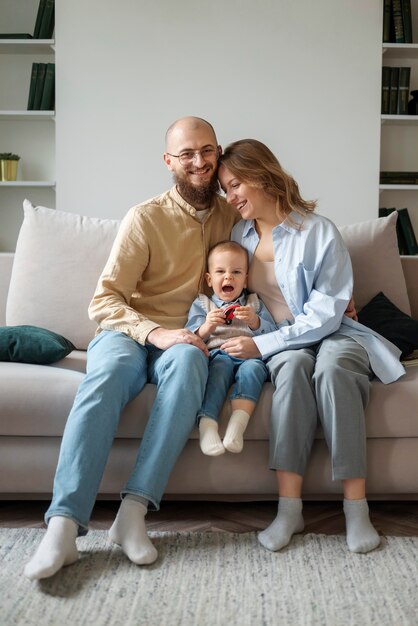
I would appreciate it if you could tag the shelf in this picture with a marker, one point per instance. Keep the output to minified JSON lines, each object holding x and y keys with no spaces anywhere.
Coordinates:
{"x":402,"y":120}
{"x":34,"y":116}
{"x":27,"y":46}
{"x":398,"y":187}
{"x":27,"y":183}
{"x":400,"y":50}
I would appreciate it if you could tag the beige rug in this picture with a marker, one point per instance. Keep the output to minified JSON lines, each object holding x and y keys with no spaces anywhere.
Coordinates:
{"x":219,"y":579}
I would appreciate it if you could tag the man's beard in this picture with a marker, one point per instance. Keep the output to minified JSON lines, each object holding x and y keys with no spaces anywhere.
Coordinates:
{"x":198,"y":196}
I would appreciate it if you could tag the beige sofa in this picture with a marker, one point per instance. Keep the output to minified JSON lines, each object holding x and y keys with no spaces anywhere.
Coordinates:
{"x":49,"y":281}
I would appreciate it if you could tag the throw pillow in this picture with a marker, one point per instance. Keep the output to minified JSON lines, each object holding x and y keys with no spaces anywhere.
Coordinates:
{"x":381,"y":315}
{"x":374,"y":252}
{"x":31,"y":344}
{"x":59,"y":258}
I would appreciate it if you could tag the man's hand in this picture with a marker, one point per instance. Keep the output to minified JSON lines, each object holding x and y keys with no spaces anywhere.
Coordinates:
{"x":248,"y":315}
{"x":163,"y":338}
{"x":351,"y":310}
{"x":241,"y":348}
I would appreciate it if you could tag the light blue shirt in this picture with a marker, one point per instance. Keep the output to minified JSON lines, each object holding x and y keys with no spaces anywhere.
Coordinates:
{"x":313,"y":270}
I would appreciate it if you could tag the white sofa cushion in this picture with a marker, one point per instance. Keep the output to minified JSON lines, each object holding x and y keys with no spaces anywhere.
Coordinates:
{"x":373,"y":248}
{"x":59,"y":258}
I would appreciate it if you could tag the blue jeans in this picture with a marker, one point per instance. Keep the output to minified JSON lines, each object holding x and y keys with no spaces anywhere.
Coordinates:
{"x":249,"y":376}
{"x":117,"y":369}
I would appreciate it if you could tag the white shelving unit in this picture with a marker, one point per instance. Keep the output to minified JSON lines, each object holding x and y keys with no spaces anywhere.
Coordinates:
{"x":399,"y":133}
{"x":30,"y":134}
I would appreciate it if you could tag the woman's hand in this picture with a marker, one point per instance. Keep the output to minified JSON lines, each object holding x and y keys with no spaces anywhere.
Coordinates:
{"x":351,"y":310}
{"x":241,"y":348}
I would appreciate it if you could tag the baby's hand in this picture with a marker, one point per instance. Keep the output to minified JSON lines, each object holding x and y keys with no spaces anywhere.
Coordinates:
{"x":248,"y":315}
{"x":215,"y":318}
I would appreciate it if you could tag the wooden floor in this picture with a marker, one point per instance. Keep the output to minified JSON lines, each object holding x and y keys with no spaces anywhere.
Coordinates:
{"x":389,"y":518}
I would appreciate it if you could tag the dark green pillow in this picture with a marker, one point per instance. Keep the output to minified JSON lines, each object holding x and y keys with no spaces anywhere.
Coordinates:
{"x":31,"y":344}
{"x":381,"y":315}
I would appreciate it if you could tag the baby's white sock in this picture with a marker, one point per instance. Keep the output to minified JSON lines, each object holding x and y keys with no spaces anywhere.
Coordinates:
{"x":57,"y":548}
{"x":129,"y":531}
{"x":234,"y":436}
{"x":288,"y":521}
{"x":361,"y":535}
{"x":210,"y":442}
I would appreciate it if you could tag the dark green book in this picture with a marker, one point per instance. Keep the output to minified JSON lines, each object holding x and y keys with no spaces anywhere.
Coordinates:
{"x":32,"y":86}
{"x":403,"y":92}
{"x":408,"y":232}
{"x":399,"y":178}
{"x":394,"y":89}
{"x":47,"y":25}
{"x":48,"y":99}
{"x":398,"y":21}
{"x":15,"y":36}
{"x":387,"y":8}
{"x":399,"y":232}
{"x":39,"y":88}
{"x":41,"y":7}
{"x":386,"y":73}
{"x":407,"y":20}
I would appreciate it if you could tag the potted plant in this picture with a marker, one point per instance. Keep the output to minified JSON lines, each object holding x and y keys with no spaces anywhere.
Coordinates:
{"x":8,"y":166}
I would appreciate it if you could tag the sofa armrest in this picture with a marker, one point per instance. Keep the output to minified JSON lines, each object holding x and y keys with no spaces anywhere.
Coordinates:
{"x":6,"y":263}
{"x":410,"y":270}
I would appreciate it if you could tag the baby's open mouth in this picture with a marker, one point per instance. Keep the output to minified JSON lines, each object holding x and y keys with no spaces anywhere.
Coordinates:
{"x":227,"y":288}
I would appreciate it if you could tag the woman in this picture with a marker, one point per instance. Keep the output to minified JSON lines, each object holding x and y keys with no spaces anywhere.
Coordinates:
{"x":319,"y":360}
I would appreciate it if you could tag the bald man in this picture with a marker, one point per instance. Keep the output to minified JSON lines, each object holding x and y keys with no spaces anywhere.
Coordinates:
{"x":141,"y":303}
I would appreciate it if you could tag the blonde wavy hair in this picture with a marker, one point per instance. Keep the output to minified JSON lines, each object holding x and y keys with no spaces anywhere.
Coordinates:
{"x":255,"y":164}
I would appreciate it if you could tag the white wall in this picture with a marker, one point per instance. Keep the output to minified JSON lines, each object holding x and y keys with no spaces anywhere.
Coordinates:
{"x":302,"y":76}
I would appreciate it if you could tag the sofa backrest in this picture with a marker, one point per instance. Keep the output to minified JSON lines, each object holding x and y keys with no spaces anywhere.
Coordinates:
{"x":59,"y":257}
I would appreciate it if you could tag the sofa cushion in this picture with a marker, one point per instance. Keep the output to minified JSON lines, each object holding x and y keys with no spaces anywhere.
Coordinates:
{"x":31,"y":344}
{"x":374,"y":252}
{"x":59,"y":258}
{"x":381,"y":315}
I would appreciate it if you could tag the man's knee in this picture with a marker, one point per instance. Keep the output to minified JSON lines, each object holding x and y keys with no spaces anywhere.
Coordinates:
{"x":116,"y":357}
{"x":186,"y":359}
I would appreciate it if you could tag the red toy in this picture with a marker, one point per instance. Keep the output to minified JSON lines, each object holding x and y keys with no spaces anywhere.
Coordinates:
{"x":229,"y":313}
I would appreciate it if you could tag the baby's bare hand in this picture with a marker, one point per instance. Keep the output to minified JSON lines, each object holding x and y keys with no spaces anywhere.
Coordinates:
{"x":215,"y":318}
{"x":248,"y":315}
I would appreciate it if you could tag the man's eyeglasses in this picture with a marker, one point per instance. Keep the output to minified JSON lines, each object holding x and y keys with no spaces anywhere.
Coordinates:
{"x":189,"y":156}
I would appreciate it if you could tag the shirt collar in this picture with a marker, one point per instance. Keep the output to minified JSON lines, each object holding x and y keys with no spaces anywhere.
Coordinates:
{"x":297,"y":218}
{"x":186,"y":206}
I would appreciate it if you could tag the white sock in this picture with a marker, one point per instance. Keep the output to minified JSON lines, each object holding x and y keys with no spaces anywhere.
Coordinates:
{"x":57,"y":548}
{"x":234,"y":436}
{"x":210,"y":442}
{"x":361,"y":535}
{"x":288,"y":521}
{"x":129,"y":531}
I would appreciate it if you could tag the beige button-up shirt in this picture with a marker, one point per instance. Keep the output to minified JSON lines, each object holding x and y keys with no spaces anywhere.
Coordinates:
{"x":157,"y":264}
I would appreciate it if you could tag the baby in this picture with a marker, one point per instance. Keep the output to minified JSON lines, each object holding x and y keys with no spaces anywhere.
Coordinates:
{"x":215,"y":320}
